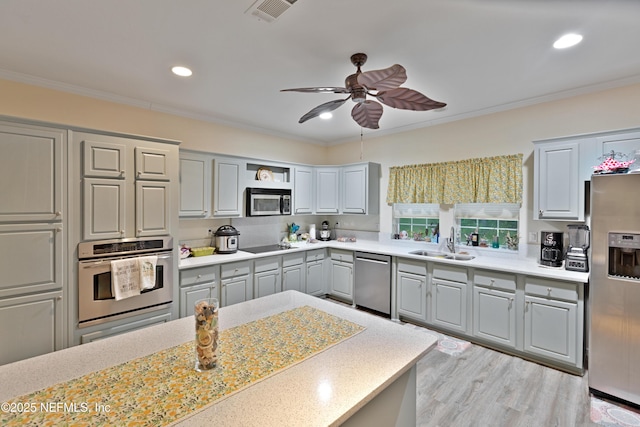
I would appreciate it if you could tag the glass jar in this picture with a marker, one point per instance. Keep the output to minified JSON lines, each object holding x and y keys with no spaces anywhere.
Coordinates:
{"x":206,"y":341}
{"x":635,"y":166}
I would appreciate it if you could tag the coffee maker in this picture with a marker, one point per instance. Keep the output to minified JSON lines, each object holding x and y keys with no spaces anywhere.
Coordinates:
{"x":551,"y":248}
{"x":576,"y":258}
{"x":325,"y":233}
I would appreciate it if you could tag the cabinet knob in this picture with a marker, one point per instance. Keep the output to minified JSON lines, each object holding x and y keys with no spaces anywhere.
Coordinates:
{"x":540,"y":212}
{"x":198,"y":276}
{"x":59,"y":298}
{"x":549,"y":291}
{"x":58,"y":213}
{"x":139,"y":230}
{"x":121,"y":231}
{"x":122,"y":172}
{"x":58,"y":229}
{"x":493,"y":282}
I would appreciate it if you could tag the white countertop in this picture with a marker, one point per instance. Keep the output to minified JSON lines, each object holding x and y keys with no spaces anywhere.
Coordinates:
{"x":325,"y":389}
{"x":401,"y":248}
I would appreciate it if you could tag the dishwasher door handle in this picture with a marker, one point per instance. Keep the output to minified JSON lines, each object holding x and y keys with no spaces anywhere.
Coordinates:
{"x":372,"y":260}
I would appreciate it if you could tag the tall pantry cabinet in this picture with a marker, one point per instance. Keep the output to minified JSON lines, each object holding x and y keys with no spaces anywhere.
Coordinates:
{"x":33,"y":223}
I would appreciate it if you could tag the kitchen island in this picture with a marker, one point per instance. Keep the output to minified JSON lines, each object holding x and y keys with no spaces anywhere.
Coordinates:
{"x":367,"y":379}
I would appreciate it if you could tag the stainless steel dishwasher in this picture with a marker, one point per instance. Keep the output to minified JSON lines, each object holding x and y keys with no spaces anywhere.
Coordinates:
{"x":372,"y":289}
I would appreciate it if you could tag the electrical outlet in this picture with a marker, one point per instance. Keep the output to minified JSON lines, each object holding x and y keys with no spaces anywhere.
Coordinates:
{"x":533,"y":237}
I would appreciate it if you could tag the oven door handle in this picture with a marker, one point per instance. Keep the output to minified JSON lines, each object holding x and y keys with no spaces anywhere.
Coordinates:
{"x":102,"y":262}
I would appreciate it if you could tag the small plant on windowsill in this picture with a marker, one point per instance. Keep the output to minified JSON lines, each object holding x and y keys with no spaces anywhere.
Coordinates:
{"x":512,"y":241}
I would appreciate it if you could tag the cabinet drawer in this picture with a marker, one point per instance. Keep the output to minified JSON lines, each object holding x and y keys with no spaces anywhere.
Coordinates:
{"x":296,"y":258}
{"x":414,"y":267}
{"x":315,"y":255}
{"x":455,"y":274}
{"x":495,"y":280}
{"x":266,"y":264}
{"x":567,"y":291}
{"x":235,"y":269}
{"x":194,"y":276}
{"x":343,"y":256}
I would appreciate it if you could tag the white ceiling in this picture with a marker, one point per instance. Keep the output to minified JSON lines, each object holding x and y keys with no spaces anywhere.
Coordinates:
{"x":477,"y":56}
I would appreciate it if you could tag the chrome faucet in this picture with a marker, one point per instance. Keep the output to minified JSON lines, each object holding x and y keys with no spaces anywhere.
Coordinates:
{"x":451,"y":241}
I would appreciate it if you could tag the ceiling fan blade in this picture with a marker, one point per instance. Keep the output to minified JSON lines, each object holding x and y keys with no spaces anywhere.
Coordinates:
{"x":408,"y":99}
{"x":317,"y":90}
{"x":322,"y":108}
{"x":367,"y":114}
{"x":389,"y":78}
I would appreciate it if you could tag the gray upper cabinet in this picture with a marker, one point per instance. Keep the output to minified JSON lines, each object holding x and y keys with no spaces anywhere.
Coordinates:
{"x":558,"y":190}
{"x":227,"y":191}
{"x":126,"y":186}
{"x":303,"y":190}
{"x":360,"y":189}
{"x":195,"y":185}
{"x":152,"y":163}
{"x":327,"y":190}
{"x":31,"y":164}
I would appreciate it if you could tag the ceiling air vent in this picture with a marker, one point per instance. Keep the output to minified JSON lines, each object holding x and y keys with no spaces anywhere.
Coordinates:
{"x":269,"y":10}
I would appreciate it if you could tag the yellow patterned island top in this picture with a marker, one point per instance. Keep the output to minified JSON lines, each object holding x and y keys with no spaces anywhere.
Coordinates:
{"x":289,"y":359}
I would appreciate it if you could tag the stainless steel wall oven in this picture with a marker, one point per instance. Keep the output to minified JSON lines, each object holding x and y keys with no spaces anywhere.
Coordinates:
{"x":96,"y":302}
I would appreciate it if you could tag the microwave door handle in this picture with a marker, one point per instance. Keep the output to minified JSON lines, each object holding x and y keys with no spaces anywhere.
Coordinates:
{"x":281,"y":204}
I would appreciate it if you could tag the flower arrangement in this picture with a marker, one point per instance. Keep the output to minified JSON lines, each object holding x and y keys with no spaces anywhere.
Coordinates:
{"x":512,"y":241}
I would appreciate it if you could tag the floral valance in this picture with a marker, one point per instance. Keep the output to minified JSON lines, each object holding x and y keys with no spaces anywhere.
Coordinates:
{"x":484,"y":180}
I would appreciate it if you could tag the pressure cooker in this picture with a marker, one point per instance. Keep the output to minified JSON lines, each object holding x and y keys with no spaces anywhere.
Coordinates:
{"x":225,"y":239}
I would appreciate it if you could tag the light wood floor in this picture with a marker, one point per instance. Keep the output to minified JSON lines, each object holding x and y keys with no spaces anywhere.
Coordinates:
{"x":482,"y":387}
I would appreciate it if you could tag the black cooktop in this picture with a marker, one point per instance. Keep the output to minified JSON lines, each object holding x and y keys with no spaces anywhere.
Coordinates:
{"x":267,"y":248}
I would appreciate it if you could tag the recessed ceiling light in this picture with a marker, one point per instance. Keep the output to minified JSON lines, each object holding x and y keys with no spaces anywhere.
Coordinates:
{"x":181,"y":71}
{"x":567,"y":40}
{"x":325,"y":116}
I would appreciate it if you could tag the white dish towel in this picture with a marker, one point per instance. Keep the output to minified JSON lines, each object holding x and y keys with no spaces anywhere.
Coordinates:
{"x":125,"y":278}
{"x":147,"y":271}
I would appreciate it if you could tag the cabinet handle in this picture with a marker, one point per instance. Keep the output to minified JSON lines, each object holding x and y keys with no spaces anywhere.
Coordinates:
{"x":540,"y":212}
{"x":492,"y":282}
{"x":139,"y":173}
{"x":549,"y":291}
{"x":198,"y":276}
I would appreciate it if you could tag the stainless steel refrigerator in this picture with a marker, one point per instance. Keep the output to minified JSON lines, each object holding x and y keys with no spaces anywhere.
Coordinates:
{"x":614,"y":289}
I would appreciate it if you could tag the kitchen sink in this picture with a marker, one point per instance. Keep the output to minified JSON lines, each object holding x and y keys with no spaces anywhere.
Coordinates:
{"x":445,"y":255}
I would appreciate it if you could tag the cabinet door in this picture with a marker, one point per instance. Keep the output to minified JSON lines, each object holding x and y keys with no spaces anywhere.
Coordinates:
{"x":293,"y":278}
{"x":195,"y":187}
{"x":266,"y":283}
{"x":551,"y":329}
{"x":104,"y":208}
{"x":558,"y":191}
{"x":152,"y":163}
{"x":494,"y":316}
{"x":31,"y":258}
{"x":104,"y":159}
{"x":303,"y":191}
{"x":236,"y":289}
{"x":226,"y":192}
{"x":189,"y":295}
{"x":30,"y":326}
{"x":623,"y":143}
{"x":152,"y":208}
{"x":354,"y":195}
{"x":412,"y":295}
{"x":327,"y":190}
{"x":315,"y":278}
{"x":449,"y":304}
{"x":31,"y":164}
{"x":342,"y":280}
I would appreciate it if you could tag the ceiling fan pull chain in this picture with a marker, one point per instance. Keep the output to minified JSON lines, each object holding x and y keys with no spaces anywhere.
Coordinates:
{"x":361,"y":143}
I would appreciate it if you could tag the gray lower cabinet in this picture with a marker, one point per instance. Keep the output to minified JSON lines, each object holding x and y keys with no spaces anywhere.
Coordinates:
{"x":266,"y":277}
{"x":30,"y":325}
{"x":196,"y":284}
{"x":553,"y":319}
{"x":449,"y":297}
{"x":236,"y":282}
{"x":293,"y":272}
{"x":494,"y":307}
{"x":411,"y":281}
{"x":315,"y":280}
{"x":342,"y":274}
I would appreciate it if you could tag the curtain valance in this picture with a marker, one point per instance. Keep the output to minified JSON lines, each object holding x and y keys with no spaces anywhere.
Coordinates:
{"x":483,"y":180}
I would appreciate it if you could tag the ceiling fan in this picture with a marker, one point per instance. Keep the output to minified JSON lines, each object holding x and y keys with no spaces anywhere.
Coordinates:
{"x":384,"y":85}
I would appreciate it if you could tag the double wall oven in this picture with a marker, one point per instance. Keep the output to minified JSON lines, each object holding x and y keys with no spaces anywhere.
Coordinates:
{"x":96,"y":302}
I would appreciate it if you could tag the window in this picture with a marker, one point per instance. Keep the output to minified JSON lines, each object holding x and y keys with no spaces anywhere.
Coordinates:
{"x":420,"y":221}
{"x":489,"y":221}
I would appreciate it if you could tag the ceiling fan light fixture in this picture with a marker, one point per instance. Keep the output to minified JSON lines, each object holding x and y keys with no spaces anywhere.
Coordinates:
{"x":326,"y":115}
{"x":567,"y":40}
{"x":181,"y":71}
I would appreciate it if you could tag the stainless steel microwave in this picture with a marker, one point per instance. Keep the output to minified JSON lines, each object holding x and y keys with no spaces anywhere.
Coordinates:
{"x":268,"y":201}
